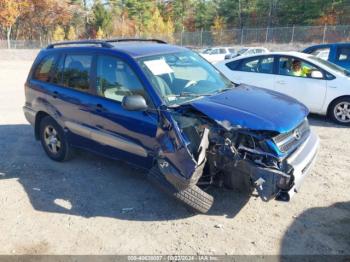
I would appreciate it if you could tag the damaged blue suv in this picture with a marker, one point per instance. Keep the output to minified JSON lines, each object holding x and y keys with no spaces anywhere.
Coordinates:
{"x":166,"y":109}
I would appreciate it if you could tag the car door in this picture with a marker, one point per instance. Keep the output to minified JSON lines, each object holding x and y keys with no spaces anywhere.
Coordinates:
{"x":123,"y":134}
{"x":69,"y":95}
{"x":308,"y":90}
{"x":256,"y":71}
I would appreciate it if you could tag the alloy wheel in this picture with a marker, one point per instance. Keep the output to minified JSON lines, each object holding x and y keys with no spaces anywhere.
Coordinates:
{"x":342,"y":112}
{"x":52,"y":139}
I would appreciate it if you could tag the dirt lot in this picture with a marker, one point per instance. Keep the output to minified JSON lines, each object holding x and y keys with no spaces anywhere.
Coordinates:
{"x":77,"y":207}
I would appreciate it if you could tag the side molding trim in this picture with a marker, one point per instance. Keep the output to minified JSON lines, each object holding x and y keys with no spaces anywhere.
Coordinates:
{"x":106,"y":139}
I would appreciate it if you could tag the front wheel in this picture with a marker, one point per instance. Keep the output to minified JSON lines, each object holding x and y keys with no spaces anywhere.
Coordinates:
{"x":193,"y":197}
{"x":54,"y":140}
{"x":339,"y":111}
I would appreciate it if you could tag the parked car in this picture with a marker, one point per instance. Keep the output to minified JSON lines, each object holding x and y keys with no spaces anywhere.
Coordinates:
{"x":246,"y":51}
{"x":217,"y":54}
{"x":337,"y":53}
{"x":324,"y":89}
{"x":166,"y":109}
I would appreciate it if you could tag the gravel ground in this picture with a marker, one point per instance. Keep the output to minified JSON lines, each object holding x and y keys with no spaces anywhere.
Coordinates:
{"x":78,"y":207}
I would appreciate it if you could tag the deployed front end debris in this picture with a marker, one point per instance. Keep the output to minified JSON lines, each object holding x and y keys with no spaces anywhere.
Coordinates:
{"x":198,"y":152}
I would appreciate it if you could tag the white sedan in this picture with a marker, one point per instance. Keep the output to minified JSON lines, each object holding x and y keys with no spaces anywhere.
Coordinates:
{"x":322,"y":86}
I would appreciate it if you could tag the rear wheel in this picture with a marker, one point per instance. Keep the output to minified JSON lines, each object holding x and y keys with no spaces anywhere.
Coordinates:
{"x":54,"y":140}
{"x":339,"y":111}
{"x":192,"y":196}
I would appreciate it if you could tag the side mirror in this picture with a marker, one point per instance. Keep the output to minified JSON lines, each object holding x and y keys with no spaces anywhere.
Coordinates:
{"x":134,"y":103}
{"x":316,"y":74}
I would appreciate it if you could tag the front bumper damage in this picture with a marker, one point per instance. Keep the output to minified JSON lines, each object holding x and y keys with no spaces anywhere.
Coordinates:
{"x":275,"y":184}
{"x":302,"y":161}
{"x":220,"y":152}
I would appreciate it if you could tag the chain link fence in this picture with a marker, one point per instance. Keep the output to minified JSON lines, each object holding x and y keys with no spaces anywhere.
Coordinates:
{"x":263,"y":36}
{"x":236,"y":37}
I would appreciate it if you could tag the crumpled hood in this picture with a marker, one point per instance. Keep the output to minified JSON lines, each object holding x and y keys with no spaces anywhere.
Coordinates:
{"x":253,"y":108}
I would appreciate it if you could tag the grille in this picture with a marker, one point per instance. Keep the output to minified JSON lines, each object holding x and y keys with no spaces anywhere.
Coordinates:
{"x":292,"y":139}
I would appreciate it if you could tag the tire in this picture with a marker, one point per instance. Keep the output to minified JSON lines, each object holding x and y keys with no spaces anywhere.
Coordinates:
{"x":339,"y":111}
{"x":193,"y":197}
{"x":53,"y":140}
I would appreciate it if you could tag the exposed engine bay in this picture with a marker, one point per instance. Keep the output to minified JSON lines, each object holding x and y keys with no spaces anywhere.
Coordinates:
{"x":222,"y":154}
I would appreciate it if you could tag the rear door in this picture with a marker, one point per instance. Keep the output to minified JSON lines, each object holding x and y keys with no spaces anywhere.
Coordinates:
{"x":68,"y":94}
{"x":72,"y":93}
{"x":256,"y":71}
{"x":127,"y":135}
{"x":310,"y":91}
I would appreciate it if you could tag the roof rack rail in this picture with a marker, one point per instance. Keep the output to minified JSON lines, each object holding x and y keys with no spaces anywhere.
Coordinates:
{"x":116,"y":40}
{"x":82,"y":42}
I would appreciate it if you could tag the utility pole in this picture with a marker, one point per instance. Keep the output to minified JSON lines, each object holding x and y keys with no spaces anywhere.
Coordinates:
{"x":324,"y":33}
{"x":293,"y":30}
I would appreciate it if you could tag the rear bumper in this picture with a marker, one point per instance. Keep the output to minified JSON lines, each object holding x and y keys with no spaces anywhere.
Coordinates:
{"x":29,"y":115}
{"x":302,"y":161}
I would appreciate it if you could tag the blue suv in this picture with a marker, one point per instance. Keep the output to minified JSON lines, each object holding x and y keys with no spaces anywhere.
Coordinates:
{"x":164,"y":108}
{"x":337,"y":53}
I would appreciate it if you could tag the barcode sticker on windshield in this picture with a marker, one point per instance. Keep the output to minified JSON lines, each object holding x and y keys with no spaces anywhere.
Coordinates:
{"x":158,"y":67}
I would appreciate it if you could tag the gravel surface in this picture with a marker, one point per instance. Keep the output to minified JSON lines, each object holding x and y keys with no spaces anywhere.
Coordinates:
{"x":92,"y":205}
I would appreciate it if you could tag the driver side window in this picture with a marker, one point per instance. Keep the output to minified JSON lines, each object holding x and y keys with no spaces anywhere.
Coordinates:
{"x":115,"y":79}
{"x":293,"y":66}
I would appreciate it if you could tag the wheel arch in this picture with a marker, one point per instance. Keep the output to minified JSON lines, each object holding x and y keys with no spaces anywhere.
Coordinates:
{"x":38,"y":117}
{"x":334,"y":100}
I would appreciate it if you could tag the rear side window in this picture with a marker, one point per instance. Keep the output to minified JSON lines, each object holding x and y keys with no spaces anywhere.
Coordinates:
{"x":261,"y":64}
{"x":233,"y":65}
{"x":343,"y":54}
{"x":249,"y":65}
{"x":266,"y":65}
{"x":74,"y":72}
{"x":42,"y":71}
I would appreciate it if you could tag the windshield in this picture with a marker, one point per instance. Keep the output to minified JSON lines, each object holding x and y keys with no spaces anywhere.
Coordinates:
{"x":241,"y":51}
{"x":184,"y":76}
{"x":330,"y":65}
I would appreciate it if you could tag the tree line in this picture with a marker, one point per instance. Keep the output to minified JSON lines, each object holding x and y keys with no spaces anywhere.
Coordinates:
{"x":55,"y":20}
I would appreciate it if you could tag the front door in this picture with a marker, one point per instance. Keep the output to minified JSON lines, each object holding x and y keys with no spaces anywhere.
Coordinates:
{"x":298,"y":82}
{"x":127,"y":135}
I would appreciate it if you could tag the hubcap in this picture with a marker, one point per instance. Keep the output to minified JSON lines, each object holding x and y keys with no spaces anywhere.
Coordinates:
{"x":342,"y":112}
{"x":52,"y":139}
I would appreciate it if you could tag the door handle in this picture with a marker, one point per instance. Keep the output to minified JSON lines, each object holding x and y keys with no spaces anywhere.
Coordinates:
{"x":100,"y":108}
